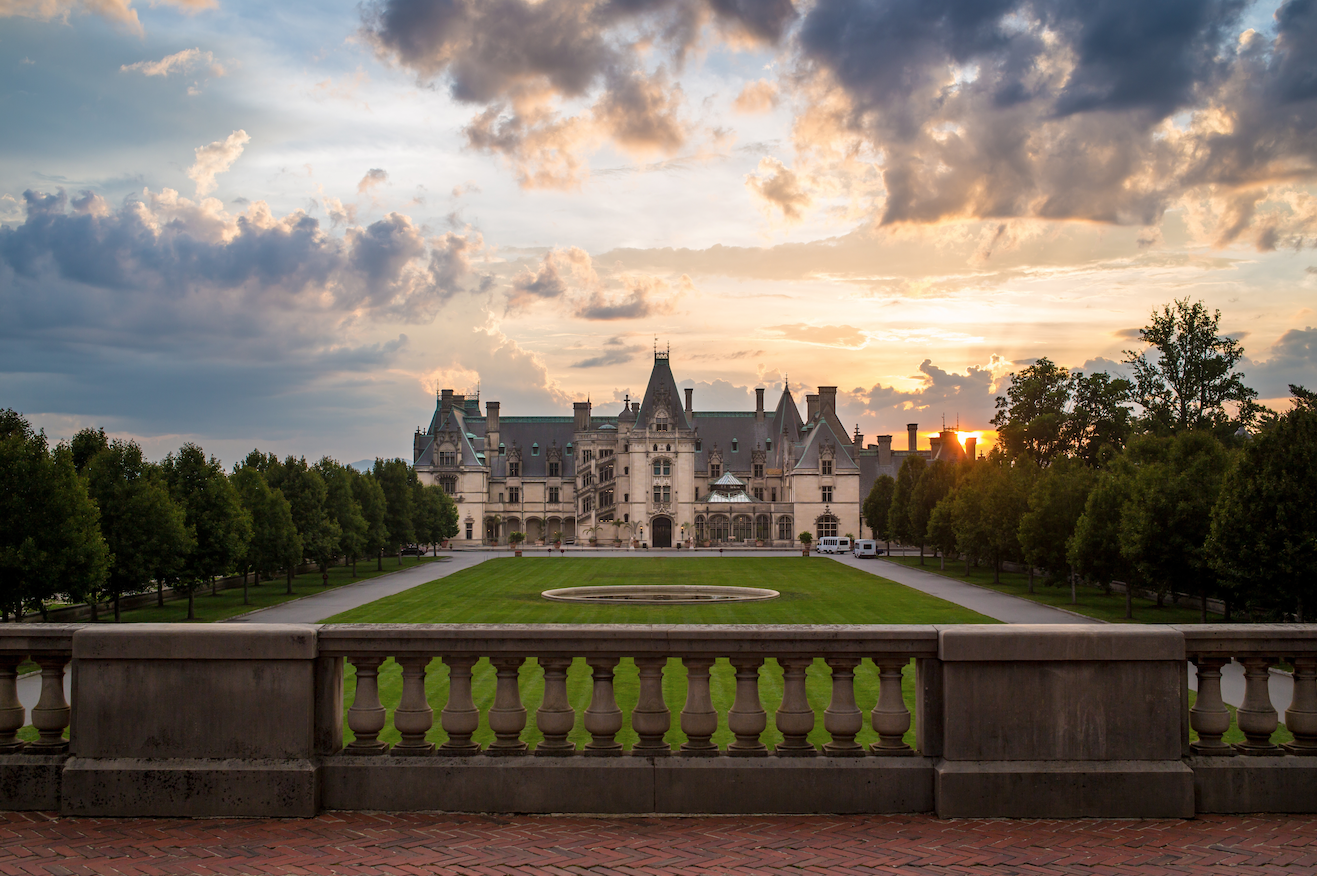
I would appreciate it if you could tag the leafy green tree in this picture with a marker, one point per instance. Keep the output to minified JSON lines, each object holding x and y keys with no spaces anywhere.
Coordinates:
{"x":1263,"y":538}
{"x":342,"y":506}
{"x":395,"y":477}
{"x":934,"y":482}
{"x":942,"y":528}
{"x":145,"y":529}
{"x":990,"y":500}
{"x":1165,"y":523}
{"x":275,"y":543}
{"x":1093,"y":549}
{"x":1186,"y":375}
{"x":436,"y":514}
{"x":213,"y":511}
{"x":899,"y":527}
{"x":1056,"y":503}
{"x":50,"y":540}
{"x":307,"y":495}
{"x":370,"y":496}
{"x":1031,"y":418}
{"x":876,"y":506}
{"x":968,"y":519}
{"x":86,"y":444}
{"x":1101,"y":420}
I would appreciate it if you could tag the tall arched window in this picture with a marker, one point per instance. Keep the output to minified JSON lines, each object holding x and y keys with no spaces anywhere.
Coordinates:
{"x":699,"y":527}
{"x":718,"y":528}
{"x":741,"y":528}
{"x":662,"y":467}
{"x":784,"y":529}
{"x":827,"y":526}
{"x":762,"y":528}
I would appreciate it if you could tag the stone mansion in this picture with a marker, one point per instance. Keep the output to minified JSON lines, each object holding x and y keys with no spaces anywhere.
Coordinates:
{"x":657,"y":472}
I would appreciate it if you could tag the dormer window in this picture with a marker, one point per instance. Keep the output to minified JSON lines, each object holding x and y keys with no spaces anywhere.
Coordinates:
{"x":733,"y":445}
{"x":661,"y":422}
{"x":535,"y":450}
{"x":715,"y":470}
{"x":447,"y":457}
{"x":768,"y":444}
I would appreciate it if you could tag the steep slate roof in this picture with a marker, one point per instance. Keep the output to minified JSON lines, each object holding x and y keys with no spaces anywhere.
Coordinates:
{"x":786,"y":416}
{"x":455,"y":422}
{"x":661,"y":379}
{"x":528,"y":432}
{"x":720,"y":427}
{"x":809,"y":455}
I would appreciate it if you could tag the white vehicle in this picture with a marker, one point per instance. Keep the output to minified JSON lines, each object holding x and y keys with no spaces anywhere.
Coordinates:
{"x":833,"y":545}
{"x":865,"y":547}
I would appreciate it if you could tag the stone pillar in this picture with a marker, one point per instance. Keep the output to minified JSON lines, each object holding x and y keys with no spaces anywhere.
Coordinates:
{"x":699,"y":721}
{"x":12,"y":712}
{"x":890,"y":718}
{"x":1257,"y":716}
{"x":842,"y":719}
{"x":651,"y":719}
{"x":366,"y":716}
{"x":1301,"y":716}
{"x":413,"y":718}
{"x":747,"y":719}
{"x":555,"y":717}
{"x":795,"y":717}
{"x":507,"y":717}
{"x":460,"y":717}
{"x":1209,"y":717}
{"x":603,"y":719}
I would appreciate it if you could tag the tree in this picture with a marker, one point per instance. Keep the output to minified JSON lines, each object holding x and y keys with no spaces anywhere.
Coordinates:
{"x":877,"y":504}
{"x":144,"y":527}
{"x":1031,"y":418}
{"x":1093,"y":549}
{"x":942,"y":528}
{"x":86,"y":444}
{"x":990,"y":501}
{"x":275,"y":543}
{"x":934,"y":482}
{"x":1165,"y":523}
{"x":435,"y":514}
{"x":307,"y":495}
{"x":1263,"y":537}
{"x":1101,"y":419}
{"x":899,"y":527}
{"x":343,"y":507}
{"x":1185,"y":377}
{"x":1056,"y":503}
{"x":968,"y":520}
{"x":50,"y":540}
{"x":395,"y":477}
{"x":370,"y":496}
{"x":214,"y":513}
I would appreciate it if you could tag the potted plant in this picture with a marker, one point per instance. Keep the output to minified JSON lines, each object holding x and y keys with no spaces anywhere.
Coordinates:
{"x":805,"y":539}
{"x":515,"y":539}
{"x":557,"y":539}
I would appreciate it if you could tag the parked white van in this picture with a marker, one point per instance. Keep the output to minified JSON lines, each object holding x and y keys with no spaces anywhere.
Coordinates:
{"x":833,"y":545}
{"x":865,"y":547}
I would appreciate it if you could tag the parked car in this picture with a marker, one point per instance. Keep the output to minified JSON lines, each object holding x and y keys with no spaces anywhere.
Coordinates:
{"x":413,"y":550}
{"x":865,"y":547}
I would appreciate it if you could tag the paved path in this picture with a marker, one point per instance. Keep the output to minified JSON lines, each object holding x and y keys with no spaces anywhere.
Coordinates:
{"x":373,"y":843}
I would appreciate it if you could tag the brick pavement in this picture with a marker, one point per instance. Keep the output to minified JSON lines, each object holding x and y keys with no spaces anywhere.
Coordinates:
{"x":377,"y":843}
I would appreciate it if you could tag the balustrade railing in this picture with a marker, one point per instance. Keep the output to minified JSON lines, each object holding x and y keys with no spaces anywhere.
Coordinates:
{"x":50,"y":647}
{"x":795,"y":649}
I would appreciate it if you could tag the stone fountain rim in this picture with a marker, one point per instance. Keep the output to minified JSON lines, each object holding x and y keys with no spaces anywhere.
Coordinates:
{"x":667,"y":594}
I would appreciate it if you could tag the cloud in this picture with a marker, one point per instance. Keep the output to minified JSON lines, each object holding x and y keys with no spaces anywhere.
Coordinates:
{"x":719,"y":395}
{"x":642,"y":296}
{"x":779,"y":188}
{"x":847,"y":336}
{"x":179,"y":62}
{"x":971,"y":396}
{"x":551,"y":280}
{"x":759,"y":96}
{"x":119,"y":12}
{"x":1291,"y":359}
{"x":215,"y":159}
{"x":522,"y":62}
{"x":615,"y":352}
{"x":374,"y":177}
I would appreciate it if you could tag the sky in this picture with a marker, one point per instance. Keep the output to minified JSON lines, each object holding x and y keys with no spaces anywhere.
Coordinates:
{"x":286,"y":225}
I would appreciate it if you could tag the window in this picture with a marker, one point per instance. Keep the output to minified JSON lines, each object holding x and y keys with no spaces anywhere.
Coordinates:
{"x":827,"y":493}
{"x":553,"y":496}
{"x":699,"y":445}
{"x":733,"y":445}
{"x":626,"y":497}
{"x":717,"y":529}
{"x":587,"y":504}
{"x":762,"y":528}
{"x":662,"y":467}
{"x":715,"y":470}
{"x":448,"y":457}
{"x":768,"y":443}
{"x":469,"y":526}
{"x":500,"y":497}
{"x":535,"y":450}
{"x":514,"y":469}
{"x":772,"y":495}
{"x":759,"y":493}
{"x":699,"y":528}
{"x":741,"y":529}
{"x":449,"y":485}
{"x":759,"y":470}
{"x":626,"y":448}
{"x":555,"y":469}
{"x":502,"y":450}
{"x":514,"y":495}
{"x":605,"y":498}
{"x":661,"y":422}
{"x":825,"y":466}
{"x":626,"y":469}
{"x":827,"y":527}
{"x":784,"y":529}
{"x":662,"y":494}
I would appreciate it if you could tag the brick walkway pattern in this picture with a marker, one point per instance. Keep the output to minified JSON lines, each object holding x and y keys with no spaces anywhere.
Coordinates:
{"x":375,"y":843}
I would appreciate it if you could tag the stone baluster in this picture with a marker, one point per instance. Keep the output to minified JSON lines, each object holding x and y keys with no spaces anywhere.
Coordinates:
{"x":842,"y":718}
{"x":11,"y":710}
{"x":1257,"y":716}
{"x":603,"y":719}
{"x":1209,"y":717}
{"x":747,"y":718}
{"x":555,"y":717}
{"x":460,"y":717}
{"x":507,"y":717}
{"x":699,"y":721}
{"x":413,"y":718}
{"x":651,"y":718}
{"x":366,"y":717}
{"x":51,"y":713}
{"x":794,"y":717}
{"x":890,"y":718}
{"x":1301,"y":716}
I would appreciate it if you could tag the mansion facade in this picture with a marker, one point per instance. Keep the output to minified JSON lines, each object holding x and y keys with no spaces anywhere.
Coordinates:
{"x":658,"y":472}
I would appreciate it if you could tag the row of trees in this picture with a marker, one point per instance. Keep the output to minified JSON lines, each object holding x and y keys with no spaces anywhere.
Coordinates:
{"x":93,"y":519}
{"x":1176,"y":481}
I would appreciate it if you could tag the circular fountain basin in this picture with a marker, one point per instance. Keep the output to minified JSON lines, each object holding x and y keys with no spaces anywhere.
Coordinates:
{"x":659,"y":594}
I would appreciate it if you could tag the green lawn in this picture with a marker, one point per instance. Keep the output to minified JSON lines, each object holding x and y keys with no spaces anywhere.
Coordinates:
{"x":507,"y":590}
{"x":814,"y":591}
{"x":228,"y":603}
{"x":1092,"y":601}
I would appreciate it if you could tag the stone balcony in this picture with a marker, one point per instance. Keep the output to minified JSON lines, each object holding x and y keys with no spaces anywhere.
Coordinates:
{"x":1014,"y":721}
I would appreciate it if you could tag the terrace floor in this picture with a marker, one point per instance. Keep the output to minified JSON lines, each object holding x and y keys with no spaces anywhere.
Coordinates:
{"x":373,"y":843}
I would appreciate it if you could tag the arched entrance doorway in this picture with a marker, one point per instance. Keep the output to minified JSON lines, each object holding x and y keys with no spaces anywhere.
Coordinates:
{"x":662,"y":528}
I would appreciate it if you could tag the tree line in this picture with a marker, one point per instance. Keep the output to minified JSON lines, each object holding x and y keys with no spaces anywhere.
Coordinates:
{"x":1174,"y":480}
{"x":93,"y":520}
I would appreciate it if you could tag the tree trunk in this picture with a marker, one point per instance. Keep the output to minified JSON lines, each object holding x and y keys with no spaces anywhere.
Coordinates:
{"x":354,"y":566}
{"x":116,"y":607}
{"x":1031,"y":579}
{"x":191,"y":612}
{"x":1298,"y":614}
{"x":379,"y":562}
{"x":45,"y":614}
{"x":967,"y":566}
{"x":1074,"y":590}
{"x":1129,"y":601}
{"x":943,"y":566}
{"x":95,"y":615}
{"x":996,"y":570}
{"x":214,"y":585}
{"x":244,"y":589}
{"x":921,"y":554}
{"x":399,"y":556}
{"x":289,"y":591}
{"x":18,"y":611}
{"x":159,"y":594}
{"x":1161,"y":598}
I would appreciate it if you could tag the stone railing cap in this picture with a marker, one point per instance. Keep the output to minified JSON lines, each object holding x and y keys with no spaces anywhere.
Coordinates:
{"x":1058,"y":642}
{"x":1228,"y":640}
{"x":195,"y":642}
{"x":31,"y":638}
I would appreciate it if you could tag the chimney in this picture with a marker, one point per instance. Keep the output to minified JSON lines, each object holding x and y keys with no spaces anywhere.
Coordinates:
{"x":884,"y":449}
{"x":858,"y":440}
{"x":759,"y":404}
{"x":951,"y":445}
{"x":459,"y":402}
{"x":581,"y":411}
{"x":828,"y":400}
{"x":445,"y":403}
{"x":491,"y":416}
{"x":913,"y":429}
{"x":971,"y":446}
{"x":811,"y":407}
{"x":690,"y":399}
